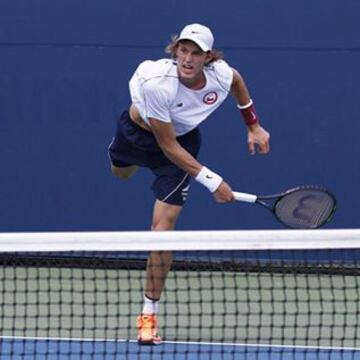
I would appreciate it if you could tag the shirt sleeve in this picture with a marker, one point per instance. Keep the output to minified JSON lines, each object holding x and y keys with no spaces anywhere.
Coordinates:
{"x":224,"y":74}
{"x":156,"y":102}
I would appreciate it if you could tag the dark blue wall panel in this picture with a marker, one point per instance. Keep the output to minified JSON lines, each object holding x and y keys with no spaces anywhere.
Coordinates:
{"x":64,"y":68}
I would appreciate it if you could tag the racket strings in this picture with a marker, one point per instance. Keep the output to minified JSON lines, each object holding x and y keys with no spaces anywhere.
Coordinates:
{"x":306,"y":208}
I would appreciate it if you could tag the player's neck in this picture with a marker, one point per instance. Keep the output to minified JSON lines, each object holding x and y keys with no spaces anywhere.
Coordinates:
{"x":195,"y":83}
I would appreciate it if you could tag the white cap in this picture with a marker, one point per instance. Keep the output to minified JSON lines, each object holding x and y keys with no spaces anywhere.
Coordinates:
{"x":199,"y":34}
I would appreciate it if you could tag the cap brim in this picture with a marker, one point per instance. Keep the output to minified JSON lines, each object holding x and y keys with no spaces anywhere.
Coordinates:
{"x":198,"y":42}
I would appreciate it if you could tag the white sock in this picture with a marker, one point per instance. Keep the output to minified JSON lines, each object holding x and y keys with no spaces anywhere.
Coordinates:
{"x":150,"y":306}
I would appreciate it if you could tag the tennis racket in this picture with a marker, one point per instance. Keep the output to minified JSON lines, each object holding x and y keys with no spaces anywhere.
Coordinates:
{"x":303,"y":207}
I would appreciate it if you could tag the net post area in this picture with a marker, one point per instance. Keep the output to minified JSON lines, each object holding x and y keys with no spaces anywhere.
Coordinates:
{"x":287,"y":294}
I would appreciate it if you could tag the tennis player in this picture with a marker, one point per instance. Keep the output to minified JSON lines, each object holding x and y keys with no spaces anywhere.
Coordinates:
{"x":170,"y":98}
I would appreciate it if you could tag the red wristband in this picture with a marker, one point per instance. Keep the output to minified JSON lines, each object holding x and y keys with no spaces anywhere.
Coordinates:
{"x":249,"y":114}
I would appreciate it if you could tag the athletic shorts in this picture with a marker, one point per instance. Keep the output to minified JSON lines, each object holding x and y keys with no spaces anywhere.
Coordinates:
{"x":133,"y":145}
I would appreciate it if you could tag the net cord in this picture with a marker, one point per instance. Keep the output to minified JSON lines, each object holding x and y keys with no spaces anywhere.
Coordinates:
{"x":180,"y":240}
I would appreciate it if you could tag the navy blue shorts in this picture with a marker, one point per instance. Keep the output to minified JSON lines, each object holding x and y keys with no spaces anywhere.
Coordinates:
{"x":132,"y":145}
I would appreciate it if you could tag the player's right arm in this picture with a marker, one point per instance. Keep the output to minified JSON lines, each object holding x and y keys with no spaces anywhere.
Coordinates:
{"x":165,"y":136}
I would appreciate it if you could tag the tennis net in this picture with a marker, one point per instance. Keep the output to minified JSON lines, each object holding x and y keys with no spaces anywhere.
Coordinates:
{"x":229,"y":295}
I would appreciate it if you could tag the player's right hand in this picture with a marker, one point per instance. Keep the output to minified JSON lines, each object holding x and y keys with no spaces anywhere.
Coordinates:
{"x":223,"y":193}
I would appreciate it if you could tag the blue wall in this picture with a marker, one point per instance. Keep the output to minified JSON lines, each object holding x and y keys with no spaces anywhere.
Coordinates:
{"x":64,"y":68}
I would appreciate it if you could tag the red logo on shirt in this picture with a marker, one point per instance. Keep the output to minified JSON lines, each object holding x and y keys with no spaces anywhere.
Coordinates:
{"x":210,"y":98}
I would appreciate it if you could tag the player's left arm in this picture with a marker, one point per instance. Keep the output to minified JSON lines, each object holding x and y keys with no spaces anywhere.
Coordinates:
{"x":258,"y":137}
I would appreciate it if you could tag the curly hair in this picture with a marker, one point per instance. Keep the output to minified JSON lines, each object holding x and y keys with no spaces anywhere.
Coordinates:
{"x":171,"y":49}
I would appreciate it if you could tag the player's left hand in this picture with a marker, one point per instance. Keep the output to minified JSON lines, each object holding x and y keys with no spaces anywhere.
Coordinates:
{"x":258,"y":140}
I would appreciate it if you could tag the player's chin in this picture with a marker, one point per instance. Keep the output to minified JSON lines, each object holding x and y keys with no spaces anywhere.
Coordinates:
{"x":187,"y":75}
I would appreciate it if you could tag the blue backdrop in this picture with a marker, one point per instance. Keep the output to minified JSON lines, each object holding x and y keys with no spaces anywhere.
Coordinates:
{"x":64,"y":71}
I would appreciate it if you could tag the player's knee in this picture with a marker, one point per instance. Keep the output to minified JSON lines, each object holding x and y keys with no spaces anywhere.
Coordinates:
{"x":163,"y":225}
{"x":166,"y":222}
{"x":123,"y":173}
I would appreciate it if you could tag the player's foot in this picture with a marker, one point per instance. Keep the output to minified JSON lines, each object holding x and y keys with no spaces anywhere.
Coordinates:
{"x":147,"y":330}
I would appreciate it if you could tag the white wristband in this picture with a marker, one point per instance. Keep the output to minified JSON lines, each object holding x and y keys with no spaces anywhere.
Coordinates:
{"x":209,"y":179}
{"x":243,"y":107}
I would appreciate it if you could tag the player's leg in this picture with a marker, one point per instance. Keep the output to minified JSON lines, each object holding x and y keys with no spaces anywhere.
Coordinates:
{"x":159,"y":262}
{"x":124,"y":172}
{"x":171,"y":186}
{"x":157,"y":268}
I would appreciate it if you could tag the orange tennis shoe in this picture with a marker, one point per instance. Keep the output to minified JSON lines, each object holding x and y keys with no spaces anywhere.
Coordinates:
{"x":147,"y":330}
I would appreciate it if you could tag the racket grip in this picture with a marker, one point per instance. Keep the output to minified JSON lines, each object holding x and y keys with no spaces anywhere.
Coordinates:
{"x":245,"y":197}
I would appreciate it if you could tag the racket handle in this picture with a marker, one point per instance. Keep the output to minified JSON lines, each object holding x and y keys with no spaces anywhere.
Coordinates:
{"x":240,"y":196}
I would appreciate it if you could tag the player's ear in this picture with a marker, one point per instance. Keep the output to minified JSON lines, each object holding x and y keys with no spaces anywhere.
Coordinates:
{"x":209,"y":57}
{"x":172,"y":47}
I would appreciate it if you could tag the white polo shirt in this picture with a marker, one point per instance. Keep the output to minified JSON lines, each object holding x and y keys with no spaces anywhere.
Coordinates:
{"x":157,"y":93}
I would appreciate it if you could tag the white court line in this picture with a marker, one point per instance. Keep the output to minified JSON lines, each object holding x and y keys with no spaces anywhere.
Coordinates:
{"x":272,"y":346}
